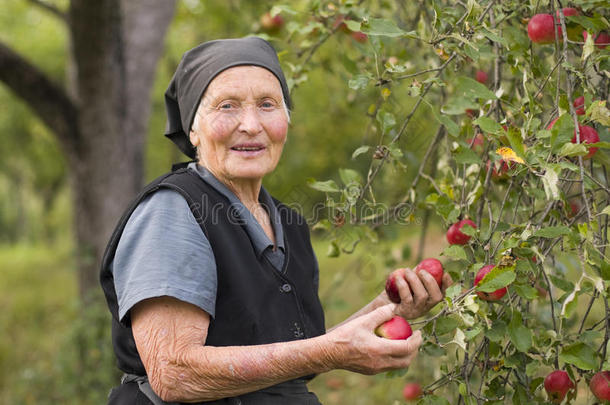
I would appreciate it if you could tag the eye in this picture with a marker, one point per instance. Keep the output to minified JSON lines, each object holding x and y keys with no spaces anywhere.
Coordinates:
{"x":225,"y":106}
{"x":268,"y":104}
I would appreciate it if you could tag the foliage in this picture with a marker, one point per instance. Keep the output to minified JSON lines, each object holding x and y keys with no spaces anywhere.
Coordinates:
{"x":540,"y":207}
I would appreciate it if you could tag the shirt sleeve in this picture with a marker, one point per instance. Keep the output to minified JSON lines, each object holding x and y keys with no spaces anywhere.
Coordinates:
{"x":164,"y":252}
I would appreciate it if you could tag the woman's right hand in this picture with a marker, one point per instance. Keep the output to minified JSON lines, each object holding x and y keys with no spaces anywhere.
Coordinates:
{"x":356,"y":347}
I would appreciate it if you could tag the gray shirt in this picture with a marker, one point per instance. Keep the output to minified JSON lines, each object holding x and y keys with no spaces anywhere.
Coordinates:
{"x":149,"y":264}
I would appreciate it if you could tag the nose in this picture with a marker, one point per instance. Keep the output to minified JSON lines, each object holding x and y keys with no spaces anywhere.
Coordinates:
{"x":250,"y":122}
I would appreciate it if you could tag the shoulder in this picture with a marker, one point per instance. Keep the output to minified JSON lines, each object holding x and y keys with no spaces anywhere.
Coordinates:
{"x":290,"y":214}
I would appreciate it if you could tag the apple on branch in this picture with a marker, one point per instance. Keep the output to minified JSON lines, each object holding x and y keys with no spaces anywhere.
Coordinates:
{"x":557,"y":384}
{"x":600,"y":386}
{"x":412,"y":391}
{"x":454,"y":234}
{"x":492,"y":296}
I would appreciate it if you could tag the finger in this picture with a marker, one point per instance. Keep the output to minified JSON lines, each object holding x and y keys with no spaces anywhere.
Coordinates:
{"x":406,"y":297}
{"x":433,"y":289}
{"x":378,"y":316}
{"x":447,"y":281}
{"x":402,"y":348}
{"x":418,"y":290}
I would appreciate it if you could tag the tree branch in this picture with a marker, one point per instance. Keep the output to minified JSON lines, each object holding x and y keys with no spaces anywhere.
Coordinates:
{"x":49,"y":101}
{"x":50,"y":8}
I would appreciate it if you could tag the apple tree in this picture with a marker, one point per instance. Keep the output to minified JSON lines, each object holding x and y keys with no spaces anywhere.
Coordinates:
{"x":509,"y":102}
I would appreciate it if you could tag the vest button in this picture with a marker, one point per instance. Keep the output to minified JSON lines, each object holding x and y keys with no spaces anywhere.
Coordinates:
{"x":286,"y":288}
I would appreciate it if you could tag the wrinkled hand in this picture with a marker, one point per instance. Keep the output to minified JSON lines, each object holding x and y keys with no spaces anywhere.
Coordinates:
{"x":356,"y":347}
{"x":419,"y":292}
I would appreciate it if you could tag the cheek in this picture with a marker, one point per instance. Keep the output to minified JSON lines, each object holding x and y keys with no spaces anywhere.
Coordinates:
{"x":277,"y":130}
{"x":221,"y":127}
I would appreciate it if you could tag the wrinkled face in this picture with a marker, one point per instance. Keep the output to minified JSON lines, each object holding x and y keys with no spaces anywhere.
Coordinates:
{"x":241,"y":125}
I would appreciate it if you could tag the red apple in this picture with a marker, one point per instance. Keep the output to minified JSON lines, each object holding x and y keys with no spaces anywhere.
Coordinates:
{"x":339,"y":24}
{"x":478,"y":144}
{"x":359,"y":36}
{"x":454,"y":234}
{"x":541,"y":29}
{"x":601,"y":40}
{"x":499,"y":170}
{"x":481,"y":76}
{"x":600,"y":386}
{"x":472,"y":113}
{"x":412,"y":391}
{"x":390,"y":285}
{"x":492,"y":296}
{"x":432,"y":266}
{"x":396,"y":328}
{"x":587,"y":135}
{"x":579,"y":105}
{"x":271,"y":24}
{"x":557,"y":384}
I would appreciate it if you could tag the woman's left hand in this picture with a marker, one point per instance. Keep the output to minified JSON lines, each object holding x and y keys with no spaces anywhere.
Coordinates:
{"x":419,"y":292}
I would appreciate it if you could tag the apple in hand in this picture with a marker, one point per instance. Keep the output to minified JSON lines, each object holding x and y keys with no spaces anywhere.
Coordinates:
{"x":455,"y":235}
{"x":557,"y":384}
{"x":412,"y":391}
{"x":432,"y":266}
{"x":600,"y":386}
{"x":390,"y":285}
{"x":492,"y":296}
{"x":396,"y":328}
{"x":587,"y":135}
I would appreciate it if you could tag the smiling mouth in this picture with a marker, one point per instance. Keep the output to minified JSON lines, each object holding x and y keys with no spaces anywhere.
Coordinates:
{"x":248,"y":148}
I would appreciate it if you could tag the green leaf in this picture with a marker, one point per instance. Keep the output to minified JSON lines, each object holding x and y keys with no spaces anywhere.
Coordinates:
{"x":349,"y":176}
{"x":471,"y":89}
{"x":497,"y":332}
{"x":466,"y":156}
{"x":552,"y":232}
{"x":599,"y":113}
{"x":573,"y":149}
{"x":494,"y":36}
{"x":565,"y":285}
{"x":386,"y":28}
{"x":488,"y":125}
{"x":359,"y":81}
{"x":328,"y":186}
{"x":455,"y":252}
{"x":579,"y":354}
{"x":497,"y":278}
{"x":520,"y":336}
{"x":526,"y":291}
{"x":353,"y":25}
{"x":361,"y":150}
{"x":549,"y":181}
{"x":445,"y":325}
{"x":386,"y":119}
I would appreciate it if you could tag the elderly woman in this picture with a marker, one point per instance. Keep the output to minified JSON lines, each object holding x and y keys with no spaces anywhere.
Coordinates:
{"x":212,"y":283}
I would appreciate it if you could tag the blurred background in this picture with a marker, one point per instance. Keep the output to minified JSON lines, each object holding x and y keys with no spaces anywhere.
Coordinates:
{"x":59,"y":164}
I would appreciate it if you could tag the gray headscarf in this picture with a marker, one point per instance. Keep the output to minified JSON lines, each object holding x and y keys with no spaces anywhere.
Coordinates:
{"x":197,"y":69}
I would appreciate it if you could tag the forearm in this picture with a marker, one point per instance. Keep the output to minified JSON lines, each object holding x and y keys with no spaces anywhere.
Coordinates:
{"x":204,"y":373}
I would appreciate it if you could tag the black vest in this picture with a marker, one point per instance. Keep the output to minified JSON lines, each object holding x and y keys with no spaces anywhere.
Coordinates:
{"x":255,"y":304}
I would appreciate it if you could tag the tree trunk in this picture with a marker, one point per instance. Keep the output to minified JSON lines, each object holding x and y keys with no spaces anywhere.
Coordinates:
{"x":115,"y":70}
{"x":101,"y":121}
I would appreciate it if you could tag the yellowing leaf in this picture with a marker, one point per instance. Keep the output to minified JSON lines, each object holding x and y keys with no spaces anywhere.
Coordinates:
{"x":509,"y":155}
{"x":385,"y":93}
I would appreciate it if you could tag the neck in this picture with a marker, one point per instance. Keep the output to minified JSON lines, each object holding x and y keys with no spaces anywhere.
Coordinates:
{"x":246,"y":190}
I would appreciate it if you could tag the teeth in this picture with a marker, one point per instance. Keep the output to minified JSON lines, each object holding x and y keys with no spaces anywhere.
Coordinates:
{"x":246,"y":148}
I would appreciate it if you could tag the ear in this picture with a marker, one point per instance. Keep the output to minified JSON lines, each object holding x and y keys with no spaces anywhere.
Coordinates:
{"x":193,"y":138}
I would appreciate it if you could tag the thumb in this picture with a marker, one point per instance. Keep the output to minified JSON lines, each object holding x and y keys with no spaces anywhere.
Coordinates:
{"x":379,"y":315}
